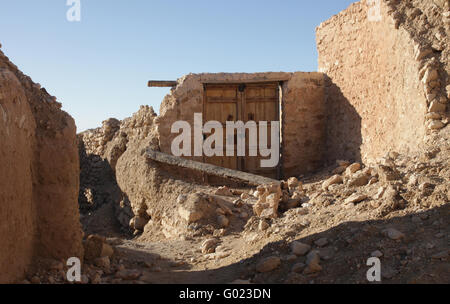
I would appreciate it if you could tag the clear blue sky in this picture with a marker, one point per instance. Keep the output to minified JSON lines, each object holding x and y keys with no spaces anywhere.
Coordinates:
{"x":99,"y":67}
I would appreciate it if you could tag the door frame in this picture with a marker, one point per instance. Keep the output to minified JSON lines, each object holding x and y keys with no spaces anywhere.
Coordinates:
{"x":241,"y":109}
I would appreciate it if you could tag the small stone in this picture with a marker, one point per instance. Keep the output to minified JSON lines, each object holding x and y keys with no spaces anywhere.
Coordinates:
{"x":394,"y":234}
{"x":355,"y":198}
{"x":437,"y":107}
{"x":245,"y":196}
{"x":425,"y":186}
{"x":435,"y":125}
{"x":268,"y":264}
{"x":393,"y":155}
{"x":181,"y":199}
{"x":327,"y":253}
{"x":413,"y":179}
{"x":224,"y":191}
{"x":209,"y":246}
{"x":293,"y":183}
{"x":312,"y":263}
{"x":353,"y":168}
{"x":388,"y":273}
{"x":302,"y":211}
{"x":343,"y":163}
{"x":102,"y":262}
{"x":376,"y":254}
{"x":291,"y":258}
{"x":263,"y":225}
{"x":379,"y":193}
{"x":339,"y":170}
{"x":430,"y":75}
{"x":238,"y":203}
{"x":321,"y":242}
{"x":421,"y":52}
{"x":336,"y":179}
{"x":433,"y":116}
{"x":84,"y":279}
{"x":94,"y":247}
{"x":430,"y":97}
{"x":107,"y":251}
{"x":359,"y":179}
{"x":138,"y":223}
{"x":375,"y":204}
{"x":387,"y":173}
{"x":223,"y":221}
{"x":291,"y":204}
{"x":300,"y":249}
{"x":96,"y":279}
{"x":219,"y":232}
{"x":298,"y":268}
{"x":244,"y":215}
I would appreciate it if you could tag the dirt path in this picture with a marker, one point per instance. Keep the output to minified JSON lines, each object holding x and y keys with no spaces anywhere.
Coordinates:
{"x":420,"y":255}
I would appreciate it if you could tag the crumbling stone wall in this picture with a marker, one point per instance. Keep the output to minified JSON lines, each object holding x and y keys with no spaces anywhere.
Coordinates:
{"x":387,"y":79}
{"x":108,"y":158}
{"x":143,"y":192}
{"x":304,"y":123}
{"x":38,"y":176}
{"x":303,"y":113}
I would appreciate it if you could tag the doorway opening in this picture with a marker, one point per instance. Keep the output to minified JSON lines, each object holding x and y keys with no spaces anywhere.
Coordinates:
{"x":232,"y":102}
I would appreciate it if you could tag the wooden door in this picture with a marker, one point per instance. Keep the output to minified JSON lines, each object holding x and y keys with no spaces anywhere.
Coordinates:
{"x":222,"y":104}
{"x":261,"y":104}
{"x":238,"y":102}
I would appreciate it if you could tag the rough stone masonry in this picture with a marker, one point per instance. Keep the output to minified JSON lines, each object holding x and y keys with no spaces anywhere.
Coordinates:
{"x":387,"y":80}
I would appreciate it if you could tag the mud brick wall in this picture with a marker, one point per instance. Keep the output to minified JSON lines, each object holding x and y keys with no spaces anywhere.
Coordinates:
{"x":304,"y":123}
{"x":377,"y":97}
{"x":39,"y":174}
{"x":303,"y":113}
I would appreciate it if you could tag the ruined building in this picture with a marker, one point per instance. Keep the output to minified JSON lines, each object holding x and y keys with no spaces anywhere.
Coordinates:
{"x":382,"y":86}
{"x":38,"y":176}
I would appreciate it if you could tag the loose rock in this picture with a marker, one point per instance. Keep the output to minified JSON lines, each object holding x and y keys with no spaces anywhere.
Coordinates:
{"x":268,"y":264}
{"x":300,"y":249}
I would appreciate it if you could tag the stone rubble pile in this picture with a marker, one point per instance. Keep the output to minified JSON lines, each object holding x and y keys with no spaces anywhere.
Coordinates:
{"x":428,"y":26}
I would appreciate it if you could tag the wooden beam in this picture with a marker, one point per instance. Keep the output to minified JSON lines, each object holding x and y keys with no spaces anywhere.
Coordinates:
{"x":209,"y":169}
{"x":162,"y":84}
{"x":255,"y":81}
